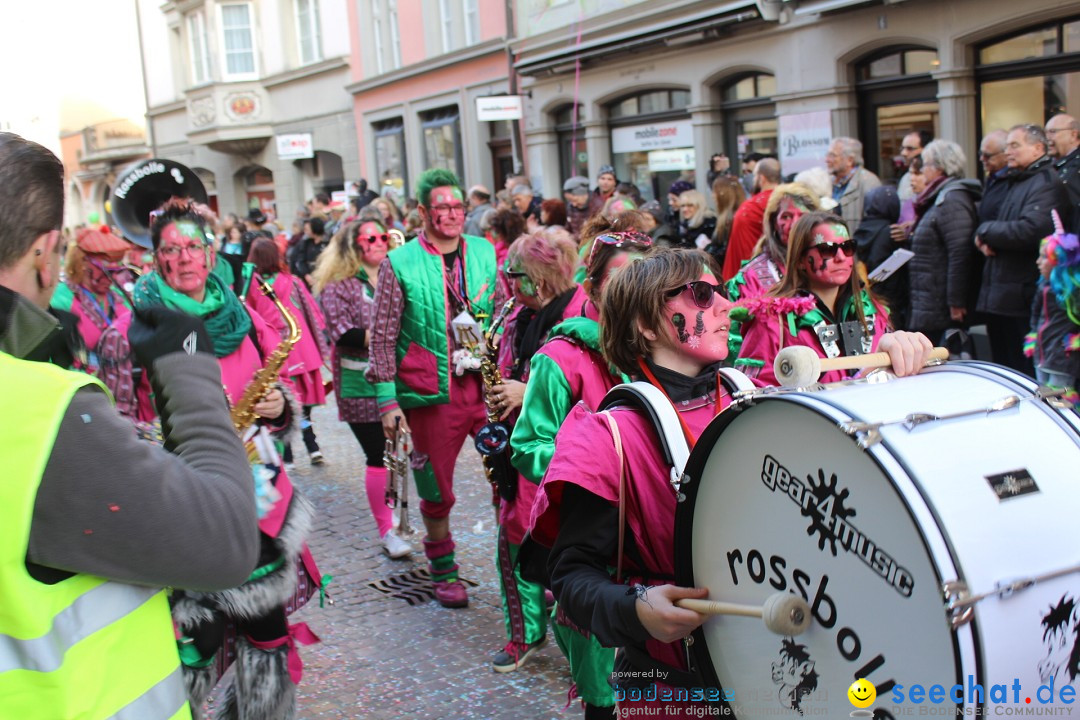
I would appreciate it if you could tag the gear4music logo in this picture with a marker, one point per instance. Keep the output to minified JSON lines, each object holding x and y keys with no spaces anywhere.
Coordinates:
{"x":823,"y":501}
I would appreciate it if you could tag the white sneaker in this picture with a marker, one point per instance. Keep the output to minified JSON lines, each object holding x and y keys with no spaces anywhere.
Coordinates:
{"x":394,"y":546}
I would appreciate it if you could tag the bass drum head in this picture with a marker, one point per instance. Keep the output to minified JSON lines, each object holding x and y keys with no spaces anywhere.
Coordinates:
{"x":780,"y":501}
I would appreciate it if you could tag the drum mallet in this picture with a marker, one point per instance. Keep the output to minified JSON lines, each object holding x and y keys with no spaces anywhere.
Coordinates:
{"x":783,"y":613}
{"x":799,"y":366}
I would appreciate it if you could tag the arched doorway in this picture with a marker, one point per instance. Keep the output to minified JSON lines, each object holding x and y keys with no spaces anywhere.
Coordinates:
{"x":897,"y":96}
{"x":323,"y":173}
{"x":74,"y":212}
{"x":652,"y":140}
{"x":258,"y":188}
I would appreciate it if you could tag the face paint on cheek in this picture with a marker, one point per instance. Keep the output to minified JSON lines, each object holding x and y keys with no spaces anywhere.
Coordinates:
{"x":699,"y":325}
{"x":679,"y":321}
{"x":526,"y":286}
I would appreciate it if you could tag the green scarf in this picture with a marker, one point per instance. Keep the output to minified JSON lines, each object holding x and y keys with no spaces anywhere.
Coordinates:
{"x":222,"y":313}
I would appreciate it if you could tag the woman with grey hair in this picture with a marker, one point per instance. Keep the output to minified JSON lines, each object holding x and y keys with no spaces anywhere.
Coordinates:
{"x":944,"y":273}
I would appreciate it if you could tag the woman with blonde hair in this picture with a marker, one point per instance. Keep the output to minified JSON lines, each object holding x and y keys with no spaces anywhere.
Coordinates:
{"x":345,"y":278}
{"x":729,"y":195}
{"x":697,"y":223}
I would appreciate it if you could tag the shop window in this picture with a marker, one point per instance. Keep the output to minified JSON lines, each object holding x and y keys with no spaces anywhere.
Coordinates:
{"x":750,"y":123}
{"x":239,"y":42}
{"x":573,"y":156}
{"x":652,"y":143}
{"x":307,"y":31}
{"x":442,"y":139}
{"x":897,"y":96}
{"x":1030,"y":76}
{"x":390,"y":155}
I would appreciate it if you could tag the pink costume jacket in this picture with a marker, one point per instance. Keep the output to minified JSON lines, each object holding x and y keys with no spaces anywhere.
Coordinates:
{"x":585,"y":455}
{"x":776,"y":323}
{"x":306,"y":359}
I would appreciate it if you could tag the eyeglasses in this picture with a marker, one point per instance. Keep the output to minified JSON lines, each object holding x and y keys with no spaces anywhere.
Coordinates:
{"x":515,"y":275}
{"x":448,"y":209}
{"x":628,"y":238}
{"x":703,"y":293}
{"x":828,"y":250}
{"x":987,"y":156}
{"x":372,"y":239}
{"x":172,"y":252}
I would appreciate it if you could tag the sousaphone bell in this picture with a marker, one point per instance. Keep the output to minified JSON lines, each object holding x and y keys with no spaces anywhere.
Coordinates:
{"x":144,"y":187}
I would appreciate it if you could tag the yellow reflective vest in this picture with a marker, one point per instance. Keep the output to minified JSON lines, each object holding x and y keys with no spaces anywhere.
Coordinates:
{"x":84,"y":648}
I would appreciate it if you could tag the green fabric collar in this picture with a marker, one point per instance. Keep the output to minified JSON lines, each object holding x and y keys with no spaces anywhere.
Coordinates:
{"x":223,"y":314}
{"x":847,"y":312}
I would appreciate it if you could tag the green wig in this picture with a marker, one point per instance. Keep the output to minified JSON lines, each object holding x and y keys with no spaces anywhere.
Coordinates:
{"x":431,"y":179}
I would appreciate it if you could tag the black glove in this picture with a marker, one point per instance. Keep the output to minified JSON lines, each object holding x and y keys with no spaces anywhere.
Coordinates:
{"x":156,"y":332}
{"x":353,"y":339}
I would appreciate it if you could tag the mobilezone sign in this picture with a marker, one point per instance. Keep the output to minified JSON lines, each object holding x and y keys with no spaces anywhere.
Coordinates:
{"x":654,"y":136}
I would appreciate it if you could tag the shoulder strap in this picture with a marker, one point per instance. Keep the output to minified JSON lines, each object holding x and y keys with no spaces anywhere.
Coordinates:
{"x":660,"y":411}
{"x":736,"y":380}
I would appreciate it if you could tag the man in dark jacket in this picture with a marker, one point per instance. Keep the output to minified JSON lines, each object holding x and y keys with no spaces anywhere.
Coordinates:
{"x":945,"y":270}
{"x":995,"y":171}
{"x":303,"y":264}
{"x":1063,"y":135}
{"x":605,"y":188}
{"x":1011,"y":244}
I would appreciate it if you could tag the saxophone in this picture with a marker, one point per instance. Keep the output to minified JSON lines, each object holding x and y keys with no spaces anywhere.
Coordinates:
{"x":243,"y":412}
{"x":493,"y":440}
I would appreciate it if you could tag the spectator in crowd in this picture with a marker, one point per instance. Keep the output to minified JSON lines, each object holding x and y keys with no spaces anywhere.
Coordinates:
{"x":697,"y":223}
{"x":502,"y":200}
{"x":729,"y":197}
{"x":363,"y":194}
{"x":479,"y":203}
{"x":1063,"y":135}
{"x":719,"y":164}
{"x":631,"y":191}
{"x":337,"y":214}
{"x":391,"y":216}
{"x":319,"y":205}
{"x":910,"y":148}
{"x":655,"y":225}
{"x":851,"y":181}
{"x":1011,"y":244}
{"x":526,"y":203}
{"x":312,"y":245}
{"x":505,"y":227}
{"x":944,"y":274}
{"x":512,"y":181}
{"x":874,"y":243}
{"x":576,"y":194}
{"x":605,"y":188}
{"x":995,"y":171}
{"x":746,"y":227}
{"x":749,"y":162}
{"x":553,"y":213}
{"x":617,"y":205}
{"x":677,"y":188}
{"x":819,"y":181}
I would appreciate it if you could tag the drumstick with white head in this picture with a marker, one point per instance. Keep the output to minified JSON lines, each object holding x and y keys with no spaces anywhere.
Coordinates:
{"x":799,"y":366}
{"x":783,"y":613}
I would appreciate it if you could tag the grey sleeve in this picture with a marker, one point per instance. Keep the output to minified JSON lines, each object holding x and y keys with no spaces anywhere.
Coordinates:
{"x":118,"y":507}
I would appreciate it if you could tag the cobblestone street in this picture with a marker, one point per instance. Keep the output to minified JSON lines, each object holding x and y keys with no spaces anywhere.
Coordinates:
{"x":381,"y":657}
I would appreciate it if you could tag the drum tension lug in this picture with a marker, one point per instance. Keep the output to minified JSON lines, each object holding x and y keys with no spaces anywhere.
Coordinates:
{"x":956,"y":598}
{"x":1054,"y":397}
{"x":677,"y":480}
{"x":866,"y":434}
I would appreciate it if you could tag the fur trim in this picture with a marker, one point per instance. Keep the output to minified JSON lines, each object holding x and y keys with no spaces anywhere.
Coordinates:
{"x":769,"y":305}
{"x":296,"y":413}
{"x":199,"y":682}
{"x":255,"y":598}
{"x":187,"y":611}
{"x":261,"y":688}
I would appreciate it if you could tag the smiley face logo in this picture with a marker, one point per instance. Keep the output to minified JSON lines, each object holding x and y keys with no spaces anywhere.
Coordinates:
{"x":862,"y":693}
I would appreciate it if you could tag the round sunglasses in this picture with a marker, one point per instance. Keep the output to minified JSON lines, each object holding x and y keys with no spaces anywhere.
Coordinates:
{"x":703,"y":293}
{"x":372,"y":239}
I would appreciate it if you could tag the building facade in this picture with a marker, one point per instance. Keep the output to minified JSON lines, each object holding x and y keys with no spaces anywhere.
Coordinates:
{"x":656,"y":88}
{"x":251,"y":95}
{"x":92,"y":159}
{"x":418,"y":67}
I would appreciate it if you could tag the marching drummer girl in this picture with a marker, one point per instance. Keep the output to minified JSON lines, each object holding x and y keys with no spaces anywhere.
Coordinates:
{"x":665,"y":321}
{"x":304,"y":366}
{"x":569,"y":368}
{"x":345,"y":277}
{"x":265,"y":652}
{"x":821,"y":304}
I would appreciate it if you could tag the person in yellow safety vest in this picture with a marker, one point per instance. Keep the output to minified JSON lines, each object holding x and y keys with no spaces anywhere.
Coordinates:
{"x":94,"y":522}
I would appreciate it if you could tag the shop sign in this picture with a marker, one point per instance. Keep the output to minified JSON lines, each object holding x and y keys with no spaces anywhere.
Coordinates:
{"x":295,"y":147}
{"x":666,"y":160}
{"x":654,"y":136}
{"x":499,"y":107}
{"x":804,"y":140}
{"x":339,"y":196}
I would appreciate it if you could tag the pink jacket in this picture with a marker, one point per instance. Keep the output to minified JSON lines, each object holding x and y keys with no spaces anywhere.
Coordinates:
{"x":768,"y":331}
{"x":308,"y":354}
{"x":585,"y":455}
